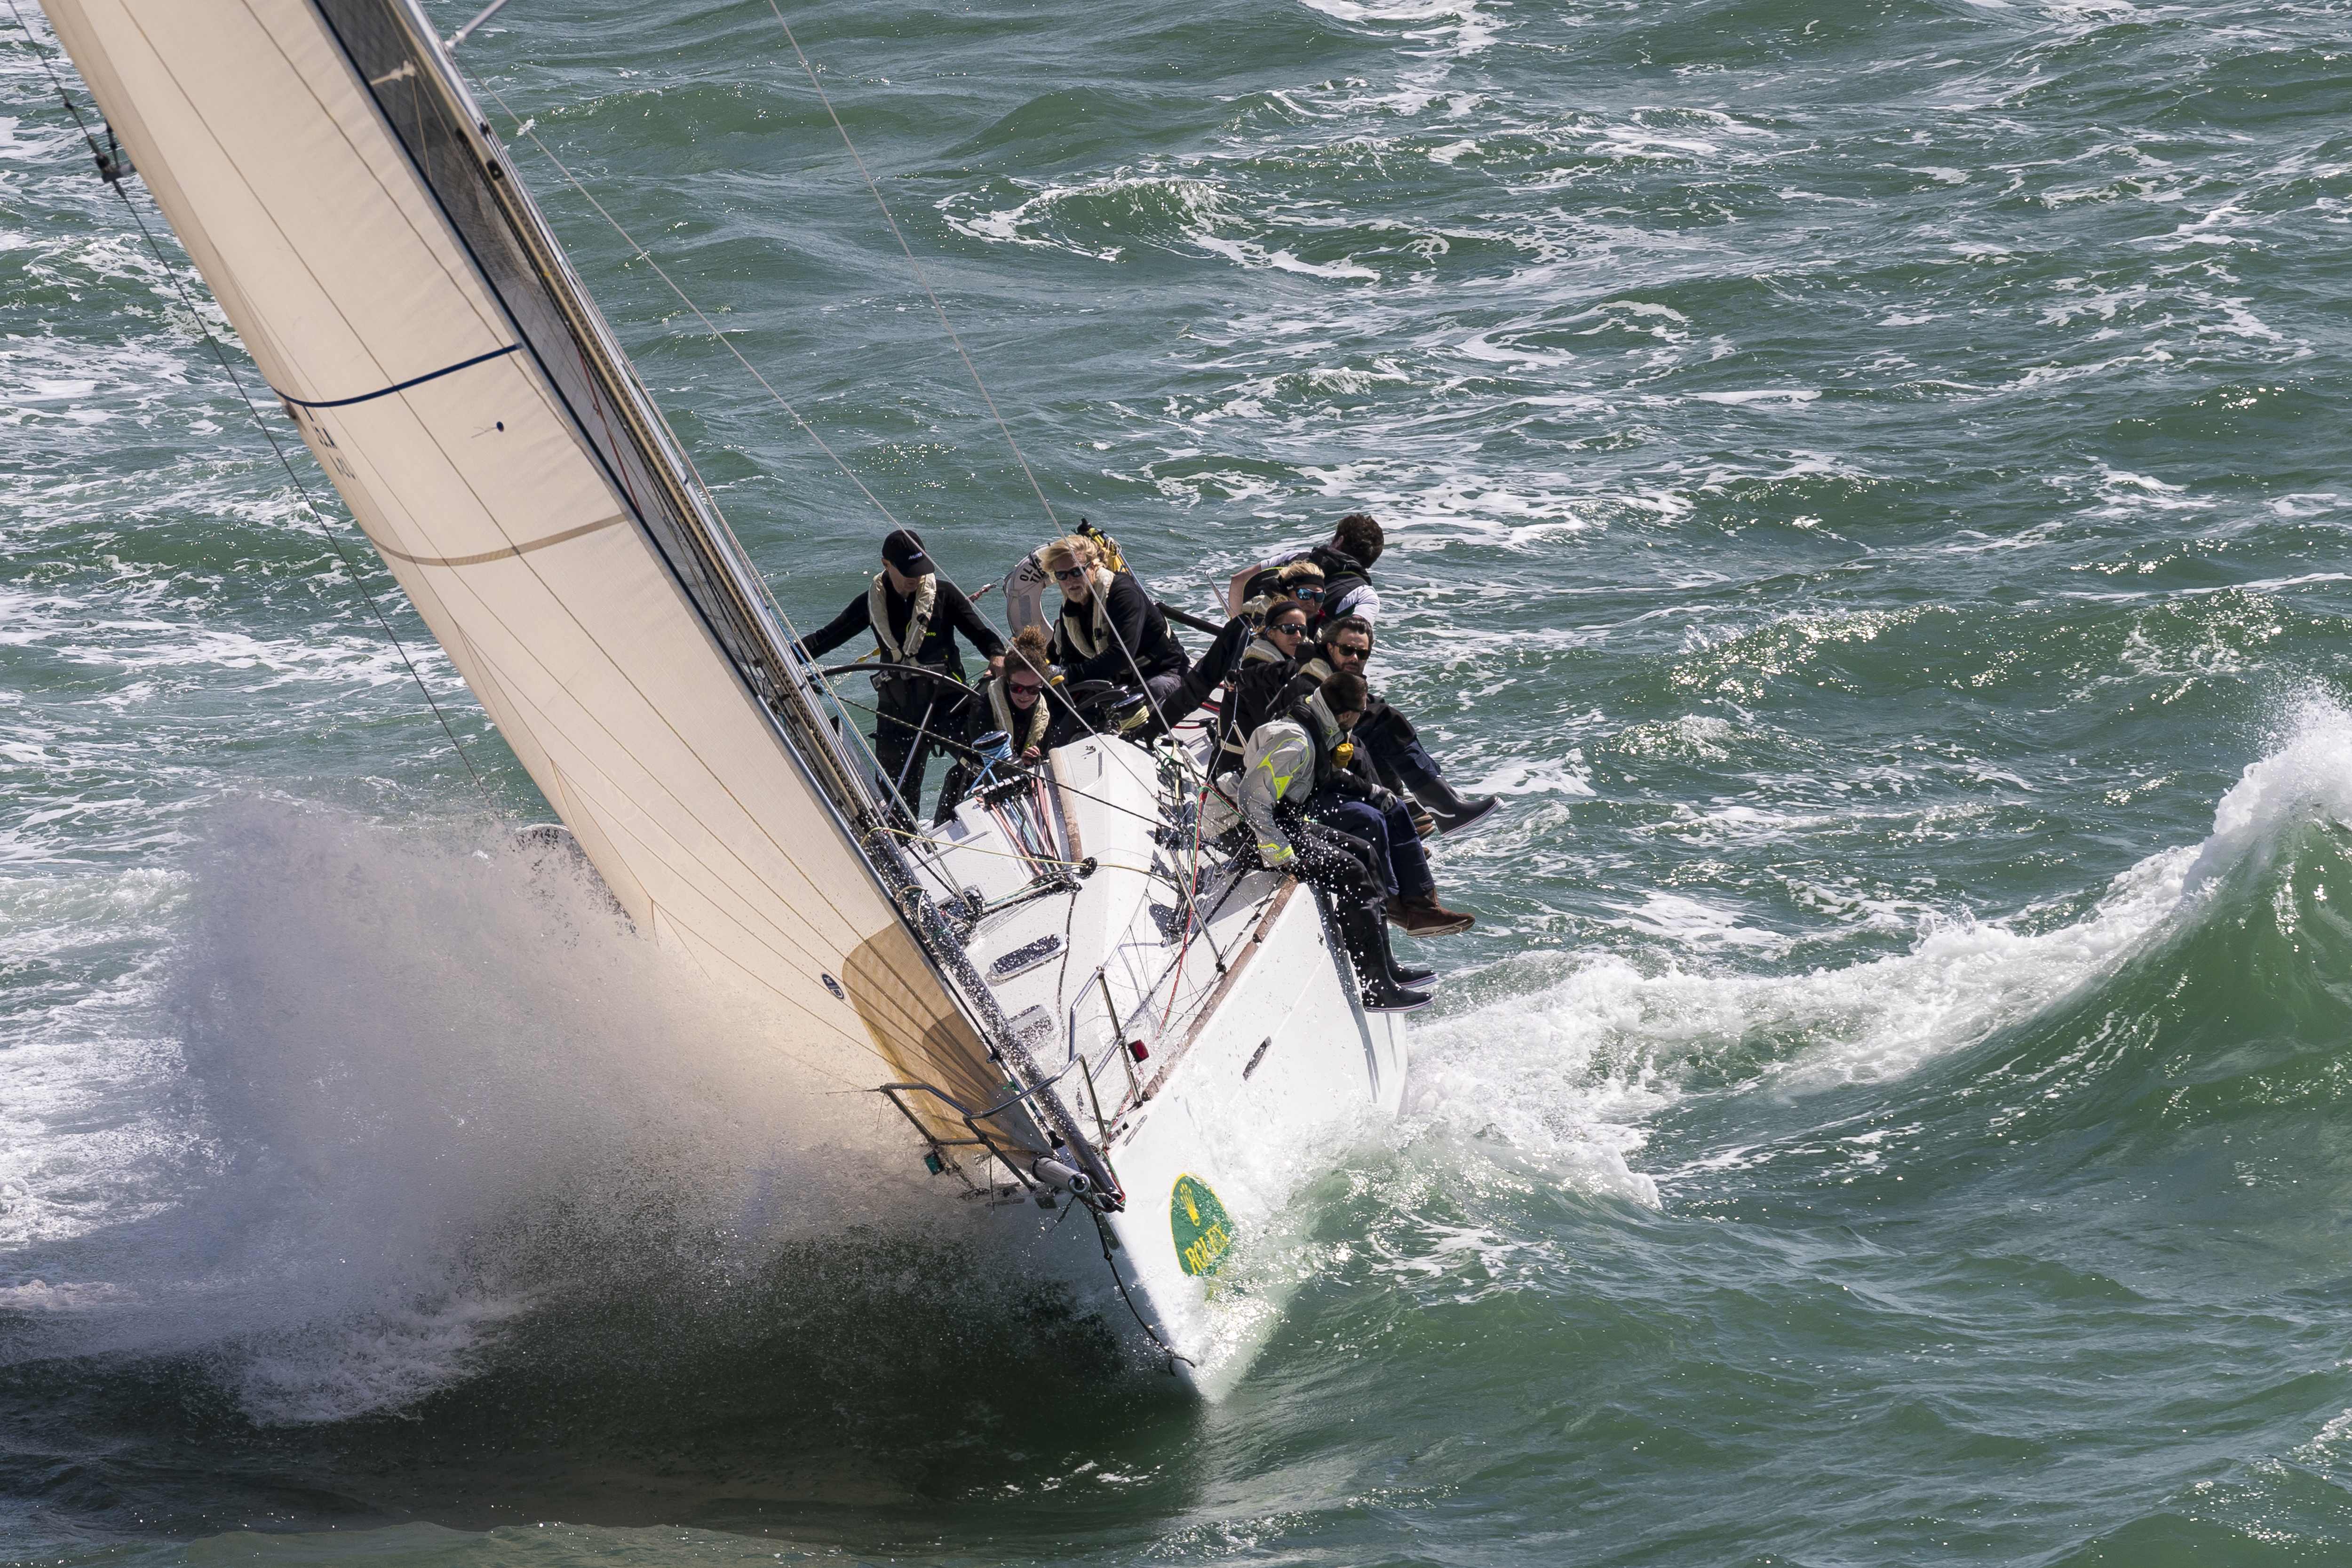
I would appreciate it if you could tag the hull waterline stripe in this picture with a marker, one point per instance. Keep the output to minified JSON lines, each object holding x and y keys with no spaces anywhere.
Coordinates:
{"x":569,"y":534}
{"x":401,"y":386}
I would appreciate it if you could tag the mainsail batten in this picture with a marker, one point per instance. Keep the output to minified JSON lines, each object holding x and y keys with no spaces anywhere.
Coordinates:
{"x":402,"y":295}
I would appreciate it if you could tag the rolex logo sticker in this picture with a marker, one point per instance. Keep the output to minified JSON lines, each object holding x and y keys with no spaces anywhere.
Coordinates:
{"x":1203,"y":1231}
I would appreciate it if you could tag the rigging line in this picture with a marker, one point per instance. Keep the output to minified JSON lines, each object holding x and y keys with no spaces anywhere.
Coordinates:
{"x":63,"y":97}
{"x":524,"y":127}
{"x":462,"y":34}
{"x":767,"y":594}
{"x":310,"y":505}
{"x":1191,"y":879}
{"x":398,"y":386}
{"x":1174,"y":1355}
{"x":936,"y":309}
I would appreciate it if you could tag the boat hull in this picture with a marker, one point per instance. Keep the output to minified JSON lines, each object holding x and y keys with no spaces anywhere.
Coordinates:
{"x":1284,"y":1071}
{"x":1211,"y":1041}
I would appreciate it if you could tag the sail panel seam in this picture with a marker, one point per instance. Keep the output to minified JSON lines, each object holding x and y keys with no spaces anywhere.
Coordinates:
{"x":488,"y":555}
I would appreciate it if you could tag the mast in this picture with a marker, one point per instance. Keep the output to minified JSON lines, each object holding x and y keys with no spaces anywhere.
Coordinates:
{"x":360,"y":225}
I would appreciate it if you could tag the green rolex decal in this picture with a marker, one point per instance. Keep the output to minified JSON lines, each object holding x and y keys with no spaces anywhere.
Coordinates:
{"x":1203,"y":1231}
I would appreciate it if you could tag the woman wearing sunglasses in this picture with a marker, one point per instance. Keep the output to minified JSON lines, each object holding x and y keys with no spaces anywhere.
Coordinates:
{"x":1267,"y":665}
{"x":1301,"y":580}
{"x":1015,"y":704}
{"x":1344,"y":567}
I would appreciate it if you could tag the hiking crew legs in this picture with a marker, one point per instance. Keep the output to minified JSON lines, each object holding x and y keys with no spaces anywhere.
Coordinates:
{"x":1399,"y":757}
{"x":1340,"y":864}
{"x":1404,"y":864}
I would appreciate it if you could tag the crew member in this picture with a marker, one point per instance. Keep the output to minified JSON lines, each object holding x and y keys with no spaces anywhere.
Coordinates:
{"x":1193,"y":685}
{"x":1267,"y":664}
{"x":1287,"y":761}
{"x":1362,"y":807}
{"x":1014,"y":702}
{"x":1346,"y":563}
{"x":1314,"y":665}
{"x":1301,"y":580}
{"x":1108,"y":628}
{"x":914,"y":614}
{"x":1387,"y":736}
{"x":1396,"y":750}
{"x":1361,"y":802}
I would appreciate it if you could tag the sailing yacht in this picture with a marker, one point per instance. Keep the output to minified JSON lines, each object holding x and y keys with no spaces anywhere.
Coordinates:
{"x":1073,"y":1001}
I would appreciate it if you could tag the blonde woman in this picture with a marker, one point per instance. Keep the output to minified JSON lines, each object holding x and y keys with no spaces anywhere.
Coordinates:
{"x":1345,"y":563}
{"x":1108,"y":628}
{"x":1301,"y":582}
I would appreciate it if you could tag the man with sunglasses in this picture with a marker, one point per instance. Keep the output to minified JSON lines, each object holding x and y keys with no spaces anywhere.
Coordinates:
{"x":1355,"y":800}
{"x":1388,"y":737}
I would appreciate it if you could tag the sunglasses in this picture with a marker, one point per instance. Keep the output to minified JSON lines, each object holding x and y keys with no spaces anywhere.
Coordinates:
{"x":1310,"y":594}
{"x":1342,"y":650}
{"x":1289,"y":630}
{"x":1070,"y":574}
{"x":1025,"y":687}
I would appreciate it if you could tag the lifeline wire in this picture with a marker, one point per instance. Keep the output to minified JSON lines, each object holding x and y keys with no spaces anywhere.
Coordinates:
{"x":350,"y":570}
{"x":956,"y":745}
{"x":936,"y":309}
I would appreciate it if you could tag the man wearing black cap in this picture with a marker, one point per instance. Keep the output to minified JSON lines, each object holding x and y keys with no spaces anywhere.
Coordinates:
{"x":914,"y":614}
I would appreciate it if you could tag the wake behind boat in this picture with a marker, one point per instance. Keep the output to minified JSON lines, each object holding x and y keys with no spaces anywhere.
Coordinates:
{"x":1072,"y":992}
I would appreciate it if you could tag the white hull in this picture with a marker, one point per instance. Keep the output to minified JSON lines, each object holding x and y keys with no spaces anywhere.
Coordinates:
{"x":1248,"y":1075}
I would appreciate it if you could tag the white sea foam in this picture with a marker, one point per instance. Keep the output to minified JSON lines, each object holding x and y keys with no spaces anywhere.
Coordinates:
{"x":1539,"y":775}
{"x":1762,"y":395}
{"x":2309,"y":776}
{"x":1458,"y":24}
{"x":1573,"y":1069}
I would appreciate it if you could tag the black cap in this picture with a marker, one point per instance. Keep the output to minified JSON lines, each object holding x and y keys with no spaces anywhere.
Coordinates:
{"x":904,"y":550}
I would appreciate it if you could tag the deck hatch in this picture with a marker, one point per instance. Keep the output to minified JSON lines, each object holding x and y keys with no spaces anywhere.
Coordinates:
{"x":1023,"y":959}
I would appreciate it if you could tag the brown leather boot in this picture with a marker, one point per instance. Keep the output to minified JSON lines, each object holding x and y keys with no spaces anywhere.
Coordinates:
{"x":1424,"y":916}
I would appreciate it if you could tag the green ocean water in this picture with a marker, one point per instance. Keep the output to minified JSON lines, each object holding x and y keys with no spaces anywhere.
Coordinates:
{"x":1865,"y":484}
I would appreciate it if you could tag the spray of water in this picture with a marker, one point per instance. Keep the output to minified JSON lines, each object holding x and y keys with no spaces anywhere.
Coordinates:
{"x":424,"y":1080}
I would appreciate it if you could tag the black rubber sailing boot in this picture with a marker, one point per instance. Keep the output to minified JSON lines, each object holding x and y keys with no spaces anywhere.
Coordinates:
{"x":1365,"y":933}
{"x":1401,"y":977}
{"x":1452,"y":813}
{"x":1410,"y":978}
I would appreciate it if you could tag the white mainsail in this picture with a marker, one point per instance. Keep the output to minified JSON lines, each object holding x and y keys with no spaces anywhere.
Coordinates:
{"x":358,"y":222}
